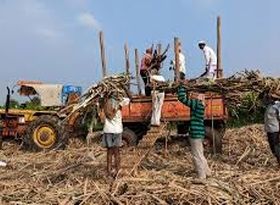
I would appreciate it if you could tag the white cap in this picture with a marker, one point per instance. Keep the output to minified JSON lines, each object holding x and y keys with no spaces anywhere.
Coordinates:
{"x":201,"y":42}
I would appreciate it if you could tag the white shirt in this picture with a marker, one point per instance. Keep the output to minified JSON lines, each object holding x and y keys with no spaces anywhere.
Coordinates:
{"x":115,"y":125}
{"x":158,"y":78}
{"x":182,"y":62}
{"x":210,"y":58}
{"x":272,"y":117}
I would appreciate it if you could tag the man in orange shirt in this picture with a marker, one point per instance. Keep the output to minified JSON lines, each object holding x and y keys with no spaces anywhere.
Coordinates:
{"x":145,"y":65}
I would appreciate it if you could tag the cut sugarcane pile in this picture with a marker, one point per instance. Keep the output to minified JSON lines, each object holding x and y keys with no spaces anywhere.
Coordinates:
{"x":234,"y":88}
{"x":245,"y":174}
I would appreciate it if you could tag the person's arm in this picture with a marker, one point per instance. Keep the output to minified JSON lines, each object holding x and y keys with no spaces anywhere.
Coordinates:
{"x":207,"y":56}
{"x":278,"y":112}
{"x":183,"y":97}
{"x":124,"y":102}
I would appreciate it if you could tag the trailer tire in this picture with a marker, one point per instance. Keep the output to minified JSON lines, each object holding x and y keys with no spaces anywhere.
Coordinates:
{"x":129,"y":137}
{"x":215,"y":137}
{"x":45,"y":133}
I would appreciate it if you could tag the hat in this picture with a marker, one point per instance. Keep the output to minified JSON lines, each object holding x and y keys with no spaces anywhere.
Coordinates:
{"x":201,"y":42}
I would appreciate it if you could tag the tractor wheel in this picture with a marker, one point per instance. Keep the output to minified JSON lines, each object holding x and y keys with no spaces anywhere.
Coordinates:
{"x":214,"y":137}
{"x":129,"y":137}
{"x":44,"y":133}
{"x":182,"y":129}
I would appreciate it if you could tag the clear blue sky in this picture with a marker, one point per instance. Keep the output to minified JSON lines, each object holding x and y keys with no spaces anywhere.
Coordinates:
{"x":56,"y":41}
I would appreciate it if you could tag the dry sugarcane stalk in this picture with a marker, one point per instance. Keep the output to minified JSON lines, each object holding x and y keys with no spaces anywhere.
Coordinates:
{"x":113,"y":84}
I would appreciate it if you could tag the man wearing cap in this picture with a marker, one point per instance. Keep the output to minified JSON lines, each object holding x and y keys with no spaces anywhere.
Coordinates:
{"x":210,"y":61}
{"x":196,"y":130}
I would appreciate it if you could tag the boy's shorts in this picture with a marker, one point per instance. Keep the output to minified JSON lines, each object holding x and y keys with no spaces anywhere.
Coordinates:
{"x":111,"y":140}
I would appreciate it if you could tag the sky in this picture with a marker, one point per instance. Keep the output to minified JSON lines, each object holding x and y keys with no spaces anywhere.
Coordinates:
{"x":56,"y":41}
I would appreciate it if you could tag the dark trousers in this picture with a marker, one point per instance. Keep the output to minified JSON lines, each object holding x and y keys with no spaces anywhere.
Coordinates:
{"x":145,"y":76}
{"x":274,"y":143}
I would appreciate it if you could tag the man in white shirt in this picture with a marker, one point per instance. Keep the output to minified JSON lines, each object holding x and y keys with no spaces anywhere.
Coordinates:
{"x":113,"y":128}
{"x":182,"y":65}
{"x":157,"y":98}
{"x":271,"y":126}
{"x":210,"y":61}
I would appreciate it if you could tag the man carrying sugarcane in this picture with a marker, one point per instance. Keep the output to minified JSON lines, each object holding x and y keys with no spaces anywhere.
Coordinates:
{"x":113,"y":128}
{"x":196,"y":130}
{"x":271,"y":126}
{"x":210,"y":61}
{"x":144,"y":72}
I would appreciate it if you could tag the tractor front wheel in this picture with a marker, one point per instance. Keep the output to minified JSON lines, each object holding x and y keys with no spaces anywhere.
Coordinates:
{"x":44,"y":133}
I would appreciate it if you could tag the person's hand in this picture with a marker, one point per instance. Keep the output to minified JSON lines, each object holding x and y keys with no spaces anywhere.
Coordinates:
{"x":181,"y":81}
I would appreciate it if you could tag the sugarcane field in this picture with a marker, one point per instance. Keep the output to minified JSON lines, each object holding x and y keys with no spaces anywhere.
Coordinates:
{"x":143,"y":102}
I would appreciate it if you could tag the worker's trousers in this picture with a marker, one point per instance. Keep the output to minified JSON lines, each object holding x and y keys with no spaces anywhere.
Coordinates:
{"x":274,"y":143}
{"x":157,"y":99}
{"x":200,"y":162}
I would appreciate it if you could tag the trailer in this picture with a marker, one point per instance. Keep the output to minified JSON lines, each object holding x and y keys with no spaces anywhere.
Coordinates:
{"x":137,"y":115}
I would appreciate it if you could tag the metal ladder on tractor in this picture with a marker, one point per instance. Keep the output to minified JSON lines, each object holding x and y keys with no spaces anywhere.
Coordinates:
{"x":133,"y":157}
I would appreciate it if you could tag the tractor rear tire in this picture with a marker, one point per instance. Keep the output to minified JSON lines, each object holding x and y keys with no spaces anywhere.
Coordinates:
{"x":215,"y":137}
{"x":129,"y":137}
{"x":44,"y":133}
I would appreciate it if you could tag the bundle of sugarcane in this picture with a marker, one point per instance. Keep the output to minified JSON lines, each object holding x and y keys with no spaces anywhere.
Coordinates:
{"x":234,"y":88}
{"x":116,"y":84}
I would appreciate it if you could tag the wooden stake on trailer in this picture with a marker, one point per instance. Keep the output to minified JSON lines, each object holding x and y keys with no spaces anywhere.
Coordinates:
{"x":176,"y":50}
{"x":102,"y":52}
{"x":126,"y":53}
{"x":137,"y":71}
{"x":159,"y":48}
{"x":159,"y":51}
{"x":220,"y":73}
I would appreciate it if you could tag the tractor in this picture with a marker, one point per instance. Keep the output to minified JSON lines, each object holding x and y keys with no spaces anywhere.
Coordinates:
{"x":38,"y":128}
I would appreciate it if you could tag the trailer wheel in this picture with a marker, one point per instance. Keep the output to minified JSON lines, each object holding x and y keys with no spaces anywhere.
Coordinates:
{"x":44,"y":133}
{"x":129,"y":137}
{"x":214,"y":137}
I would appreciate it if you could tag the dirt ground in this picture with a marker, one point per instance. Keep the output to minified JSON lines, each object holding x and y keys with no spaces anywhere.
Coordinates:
{"x":246,"y":173}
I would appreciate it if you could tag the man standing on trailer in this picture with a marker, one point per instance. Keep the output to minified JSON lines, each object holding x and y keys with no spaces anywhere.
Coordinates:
{"x":157,"y":98}
{"x":271,"y":126}
{"x":144,"y":72}
{"x":197,"y":131}
{"x":113,"y":128}
{"x":210,"y":61}
{"x":182,"y":64}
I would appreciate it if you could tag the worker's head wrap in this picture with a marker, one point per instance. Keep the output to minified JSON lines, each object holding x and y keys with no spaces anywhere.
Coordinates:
{"x":201,"y":43}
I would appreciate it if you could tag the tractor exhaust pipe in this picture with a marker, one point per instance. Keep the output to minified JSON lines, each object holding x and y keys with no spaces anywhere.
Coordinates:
{"x":7,"y":105}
